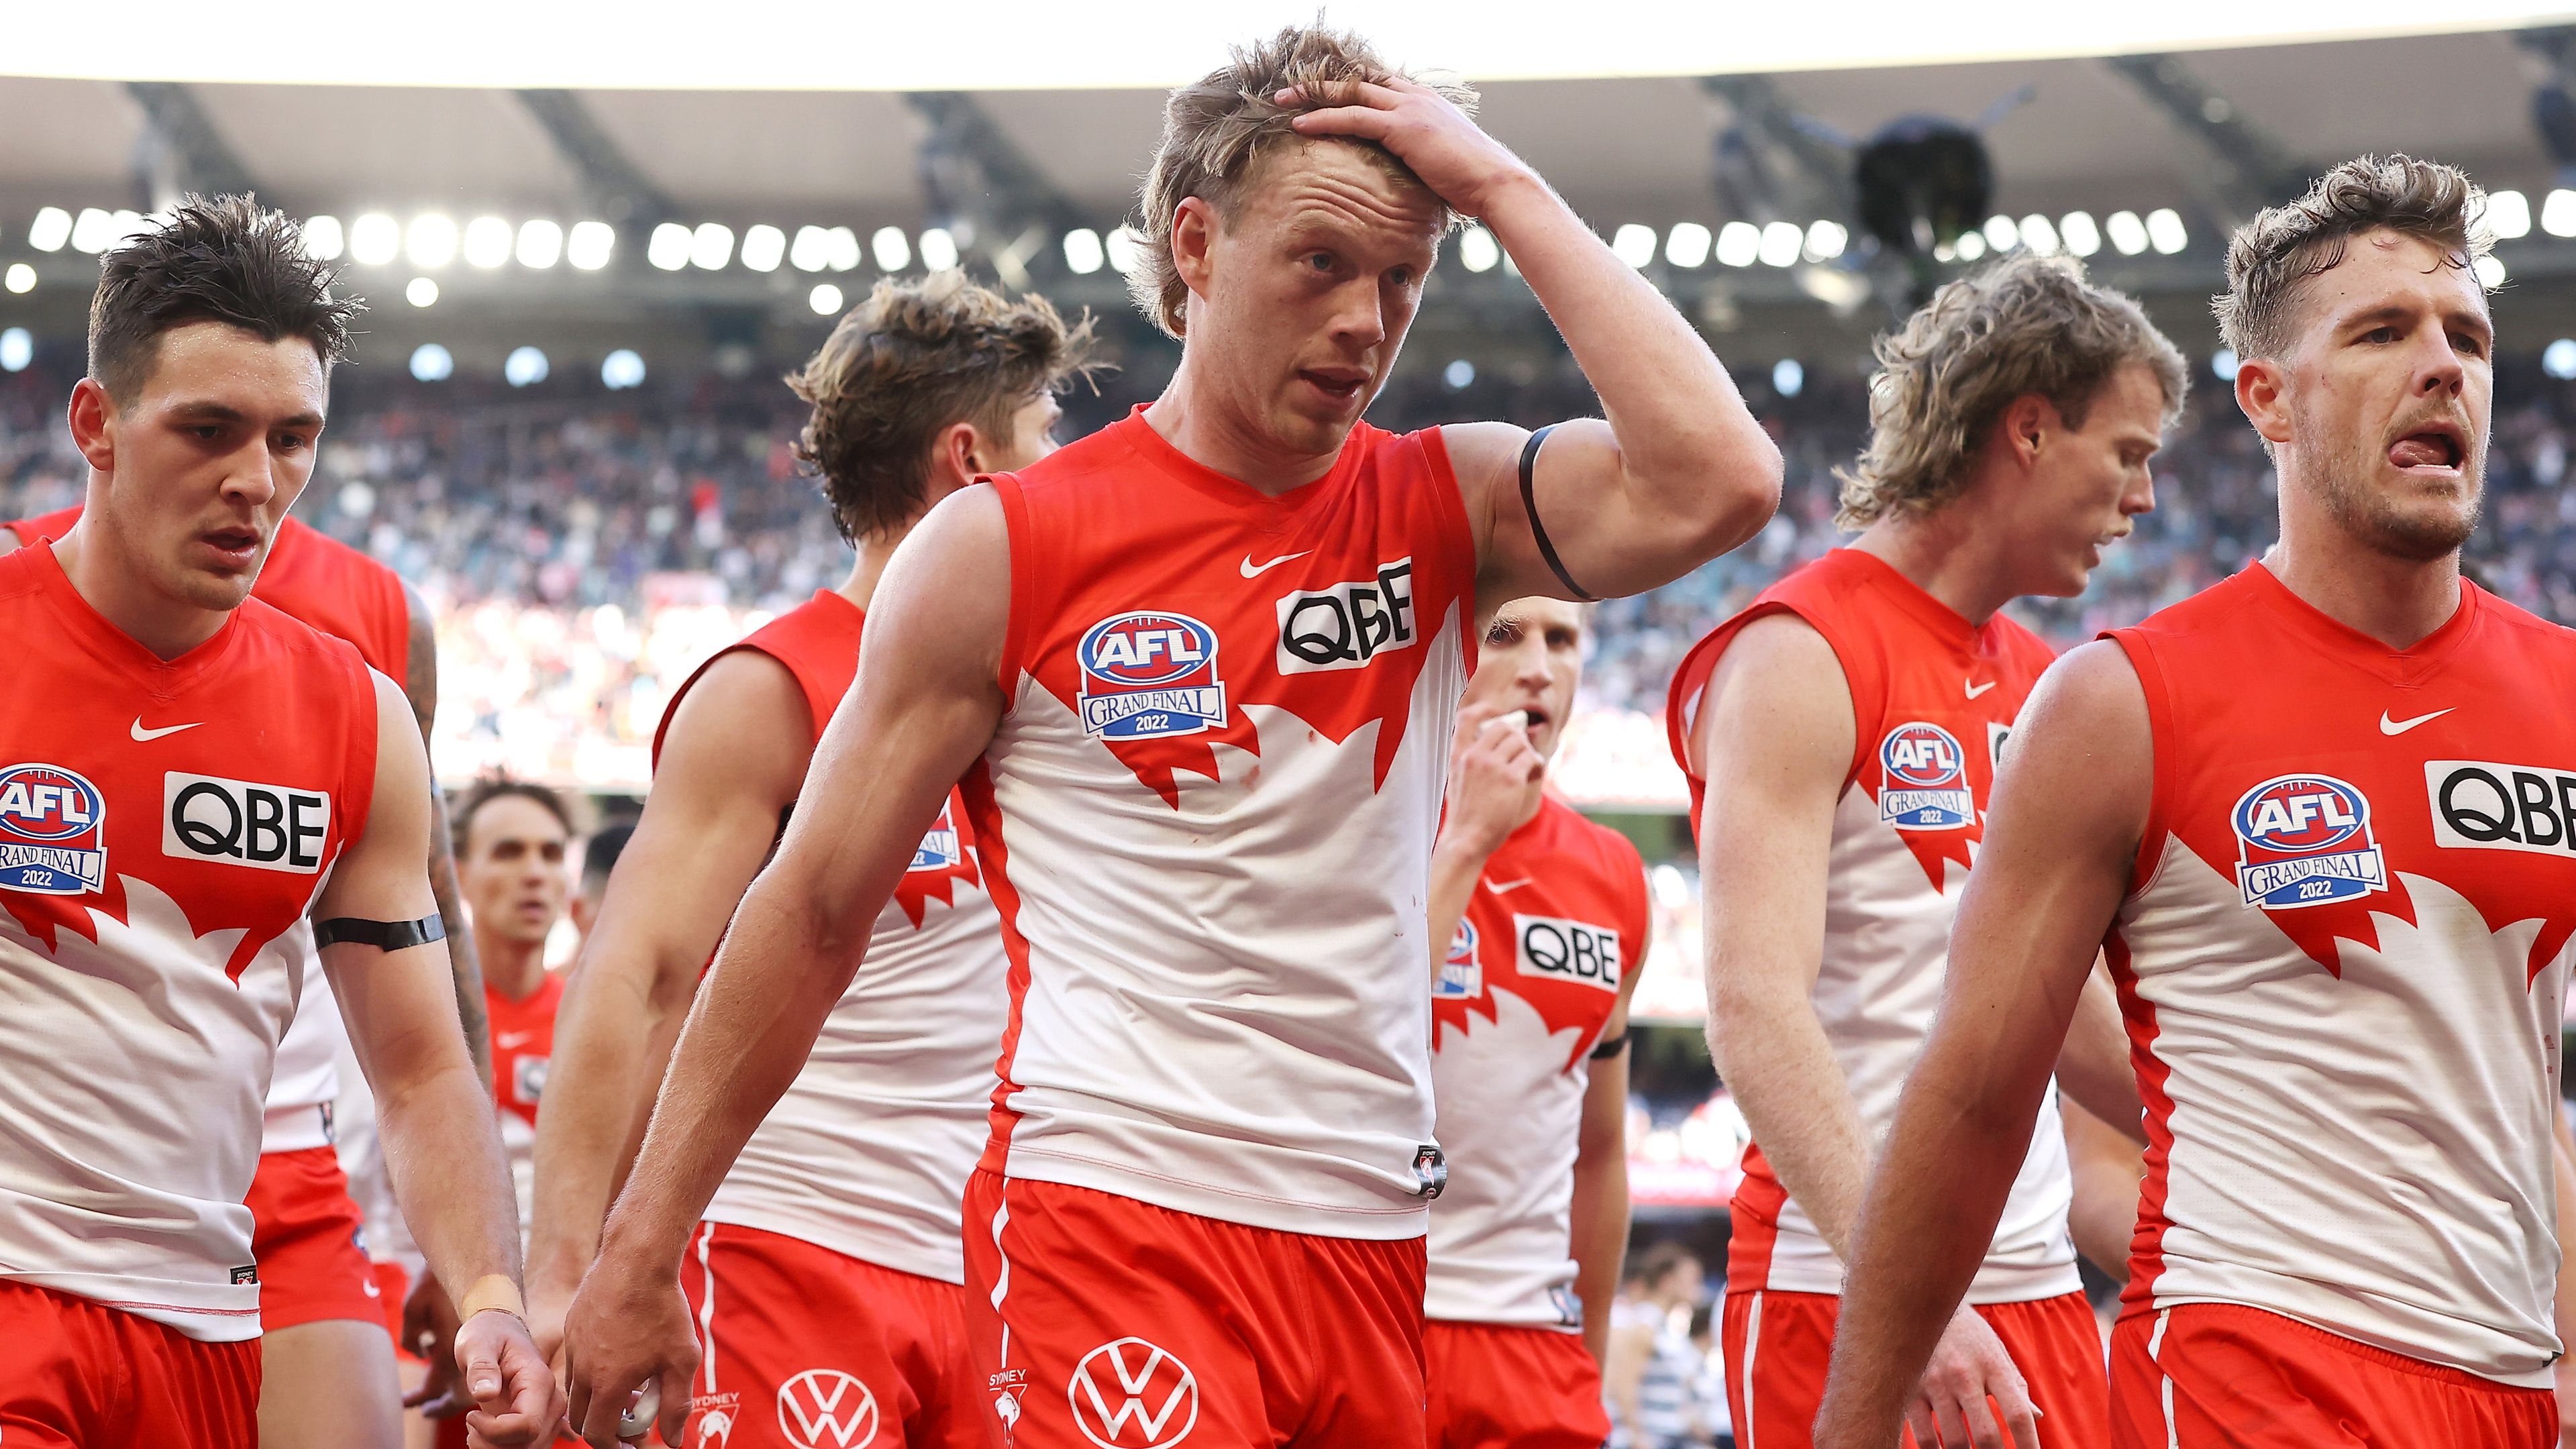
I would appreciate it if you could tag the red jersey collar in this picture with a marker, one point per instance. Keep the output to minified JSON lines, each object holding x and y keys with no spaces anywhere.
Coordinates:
{"x":1158,"y":451}
{"x":2398,"y":666}
{"x":163,"y":678}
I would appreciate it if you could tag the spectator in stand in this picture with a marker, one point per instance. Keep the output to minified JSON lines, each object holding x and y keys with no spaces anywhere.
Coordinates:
{"x":1652,"y":1366}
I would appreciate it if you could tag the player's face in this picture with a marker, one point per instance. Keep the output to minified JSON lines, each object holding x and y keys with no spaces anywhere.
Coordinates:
{"x":1032,"y":436}
{"x":512,"y":872}
{"x":205,"y":457}
{"x":1532,"y":660}
{"x":1301,"y":298}
{"x":2387,"y":393}
{"x":2089,"y":484}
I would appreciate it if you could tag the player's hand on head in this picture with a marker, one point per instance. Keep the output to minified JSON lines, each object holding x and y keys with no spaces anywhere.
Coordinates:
{"x":1494,"y":778}
{"x":514,"y":1394}
{"x":1426,"y":130}
{"x":1969,"y":1379}
{"x":627,"y":1330}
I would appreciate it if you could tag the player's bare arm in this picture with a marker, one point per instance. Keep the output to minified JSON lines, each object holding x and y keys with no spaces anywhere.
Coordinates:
{"x":2093,"y":1068}
{"x":731,"y":762}
{"x":2062,"y":836}
{"x":2106,"y":1165}
{"x":1601,"y":1170}
{"x":420,"y":689}
{"x":1680,"y":473}
{"x":442,"y":1145}
{"x":925,"y":703}
{"x":1494,"y":778}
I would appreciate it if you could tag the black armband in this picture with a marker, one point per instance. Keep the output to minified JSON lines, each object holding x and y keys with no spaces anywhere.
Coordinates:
{"x":1609,"y":1046}
{"x":1529,"y":505}
{"x":383,"y":935}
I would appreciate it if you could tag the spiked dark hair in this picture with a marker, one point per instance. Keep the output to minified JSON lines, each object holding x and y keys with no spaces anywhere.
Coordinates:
{"x":221,"y":260}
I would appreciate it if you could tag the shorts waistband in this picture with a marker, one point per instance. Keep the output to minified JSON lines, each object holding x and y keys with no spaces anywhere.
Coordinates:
{"x":2265,"y":1320}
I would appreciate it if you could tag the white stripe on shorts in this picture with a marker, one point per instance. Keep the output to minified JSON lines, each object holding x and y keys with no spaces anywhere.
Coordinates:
{"x":706,"y":1307}
{"x":1752,"y":1343}
{"x":2156,"y":1342}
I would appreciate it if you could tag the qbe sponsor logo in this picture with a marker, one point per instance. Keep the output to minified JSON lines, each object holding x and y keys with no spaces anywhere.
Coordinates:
{"x":52,"y":832}
{"x":939,"y":849}
{"x":1130,"y":1394}
{"x":1146,"y":675}
{"x":2482,"y":805}
{"x":1462,"y":976}
{"x":1347,"y":625}
{"x":2305,"y":840}
{"x":1926,"y":784}
{"x":1562,"y":950}
{"x":528,"y":1079}
{"x":826,"y":1409}
{"x":238,"y":822}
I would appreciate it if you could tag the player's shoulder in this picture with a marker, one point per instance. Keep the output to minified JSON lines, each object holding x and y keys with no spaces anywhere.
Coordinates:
{"x":2520,"y":624}
{"x":2218,"y":609}
{"x":282,"y":632}
{"x":314,"y":549}
{"x":1085,"y":459}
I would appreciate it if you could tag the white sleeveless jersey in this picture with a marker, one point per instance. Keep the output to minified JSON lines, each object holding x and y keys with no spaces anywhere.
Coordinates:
{"x":306,"y":1083}
{"x":1207,"y":818}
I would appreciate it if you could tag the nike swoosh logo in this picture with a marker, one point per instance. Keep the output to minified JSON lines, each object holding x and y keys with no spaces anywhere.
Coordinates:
{"x":1977,"y":689}
{"x":2389,"y":726}
{"x":513,"y":1040}
{"x":1501,"y":886}
{"x":1252,"y":571}
{"x":143,"y":736}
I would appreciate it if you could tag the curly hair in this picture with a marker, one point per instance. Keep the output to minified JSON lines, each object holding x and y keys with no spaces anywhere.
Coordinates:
{"x":2271,"y":258}
{"x":2026,"y":324}
{"x":225,"y":260}
{"x":912,"y":359}
{"x":1218,"y":128}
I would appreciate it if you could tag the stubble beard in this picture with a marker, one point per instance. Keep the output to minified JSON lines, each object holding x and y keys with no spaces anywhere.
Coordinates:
{"x":2418,"y":530}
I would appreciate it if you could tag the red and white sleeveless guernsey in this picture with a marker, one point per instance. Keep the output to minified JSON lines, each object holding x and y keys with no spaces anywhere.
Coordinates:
{"x":2342,"y":962}
{"x":868,"y":1152}
{"x":163,"y":828}
{"x":1207,"y":818}
{"x":1555,"y":924}
{"x":1932,"y":699}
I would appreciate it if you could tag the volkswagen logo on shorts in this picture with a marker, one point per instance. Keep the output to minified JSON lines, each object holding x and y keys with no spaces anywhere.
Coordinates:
{"x":1129,"y":1394}
{"x":827,"y":1409}
{"x":1146,"y":675}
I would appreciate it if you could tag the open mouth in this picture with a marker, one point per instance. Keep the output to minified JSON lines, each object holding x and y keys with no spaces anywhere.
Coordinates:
{"x":1342,"y":384}
{"x":1535,"y":716}
{"x":236,"y":544}
{"x":2440,"y":447}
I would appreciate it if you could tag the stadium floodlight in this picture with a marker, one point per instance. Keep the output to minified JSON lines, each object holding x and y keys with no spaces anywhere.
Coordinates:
{"x":2039,"y":235}
{"x":763,"y":247}
{"x":2222,"y":364}
{"x":2001,"y":233}
{"x":374,"y":239}
{"x":1788,"y":378}
{"x":1687,"y":244}
{"x":812,"y":249}
{"x":2128,"y":234}
{"x":891,"y":248}
{"x":1825,"y":241}
{"x":1633,"y":243}
{"x":589,"y":243}
{"x":1781,"y":243}
{"x":541,"y":244}
{"x":2558,"y":213}
{"x":487,"y":242}
{"x":938,"y":249}
{"x":1459,"y":374}
{"x":432,"y":363}
{"x":711,"y":246}
{"x":323,"y":239}
{"x":2081,"y":236}
{"x":2165,"y":231}
{"x":2508,"y":215}
{"x":92,"y":230}
{"x":1739,"y":243}
{"x":1970,"y":246}
{"x":825,"y":299}
{"x":2558,"y":359}
{"x":2490,"y":272}
{"x":1082,"y":251}
{"x":845,"y":249}
{"x":421,"y":293}
{"x":1478,"y":251}
{"x":431,"y":242}
{"x":17,"y":349}
{"x":668,"y":246}
{"x":52,"y":228}
{"x":1122,"y":247}
{"x":21,"y":278}
{"x":524,"y":366}
{"x":621,"y":369}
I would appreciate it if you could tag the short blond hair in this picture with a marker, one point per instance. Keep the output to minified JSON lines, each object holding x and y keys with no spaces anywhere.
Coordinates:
{"x":2272,"y":257}
{"x":2025,"y":325}
{"x":1217,"y":129}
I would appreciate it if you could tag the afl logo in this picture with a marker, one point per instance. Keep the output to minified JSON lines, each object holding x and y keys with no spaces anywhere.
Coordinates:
{"x":50,"y":832}
{"x":1926,"y":779}
{"x":2305,"y":840}
{"x":939,"y":849}
{"x":1146,"y":675}
{"x":1461,"y":976}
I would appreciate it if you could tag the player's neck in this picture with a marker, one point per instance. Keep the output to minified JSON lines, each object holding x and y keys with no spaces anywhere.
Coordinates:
{"x":1200,"y":427}
{"x":1945,"y":555}
{"x":166,"y":626}
{"x":515,"y":969}
{"x":2397,"y":601}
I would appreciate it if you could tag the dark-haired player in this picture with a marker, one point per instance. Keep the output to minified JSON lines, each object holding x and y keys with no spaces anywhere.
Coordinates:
{"x":183,"y":775}
{"x":832,"y":1248}
{"x":1198,"y":671}
{"x":2321,"y":826}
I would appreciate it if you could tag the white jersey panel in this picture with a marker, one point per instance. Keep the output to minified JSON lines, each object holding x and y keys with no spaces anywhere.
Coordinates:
{"x":1500,"y":1246}
{"x":307,"y":1079}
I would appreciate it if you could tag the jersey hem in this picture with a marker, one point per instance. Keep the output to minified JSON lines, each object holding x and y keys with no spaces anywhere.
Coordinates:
{"x":1370,"y":1224}
{"x":892,"y":1258}
{"x":203,"y":1324}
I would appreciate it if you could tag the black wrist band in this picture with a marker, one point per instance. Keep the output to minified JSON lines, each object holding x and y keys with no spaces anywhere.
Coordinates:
{"x":383,"y":935}
{"x":1529,"y":505}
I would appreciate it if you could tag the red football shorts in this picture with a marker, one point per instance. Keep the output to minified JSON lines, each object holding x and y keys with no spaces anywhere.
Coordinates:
{"x":1504,"y":1386}
{"x":1777,"y":1345}
{"x":2220,"y":1376}
{"x":806,"y":1348}
{"x":306,"y":1238}
{"x":79,"y":1375}
{"x":1100,"y":1322}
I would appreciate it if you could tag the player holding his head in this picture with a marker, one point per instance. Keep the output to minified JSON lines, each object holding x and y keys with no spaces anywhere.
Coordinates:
{"x":184,"y":773}
{"x":2322,"y":833}
{"x":1198,"y":671}
{"x":833,"y":1244}
{"x":1545,"y":920}
{"x":1841,"y":735}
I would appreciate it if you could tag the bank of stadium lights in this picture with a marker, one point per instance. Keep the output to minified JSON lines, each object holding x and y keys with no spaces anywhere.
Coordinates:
{"x":1687,"y":244}
{"x":1122,"y":248}
{"x":1460,"y":374}
{"x":323,"y":239}
{"x":1825,"y":241}
{"x":1082,"y":251}
{"x":763,"y":247}
{"x":94,"y":231}
{"x":1739,"y":243}
{"x":2128,"y":234}
{"x":668,"y":246}
{"x":2558,"y":213}
{"x":20,"y":279}
{"x":487,"y":242}
{"x":711,"y":246}
{"x":2165,"y":231}
{"x":17,"y":349}
{"x":2081,"y":236}
{"x":2002,"y":233}
{"x":2508,"y":215}
{"x":1788,"y":378}
{"x":1478,"y":250}
{"x":2038,"y":234}
{"x":2558,"y":359}
{"x":1634,"y":244}
{"x":52,"y":228}
{"x":540,"y":245}
{"x":891,"y":248}
{"x":2222,"y":364}
{"x":621,"y":369}
{"x":430,"y":241}
{"x":1782,"y":241}
{"x":825,"y":299}
{"x":525,"y":367}
{"x":938,"y":249}
{"x":2490,"y":272}
{"x":432,"y":363}
{"x":588,"y":245}
{"x":374,"y":239}
{"x":819,"y":249}
{"x":423,"y":292}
